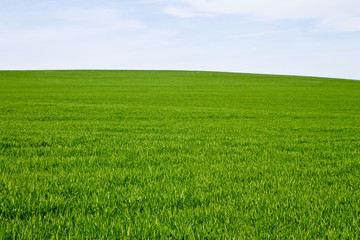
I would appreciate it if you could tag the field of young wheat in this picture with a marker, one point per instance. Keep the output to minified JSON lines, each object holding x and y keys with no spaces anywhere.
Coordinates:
{"x":175,"y":154}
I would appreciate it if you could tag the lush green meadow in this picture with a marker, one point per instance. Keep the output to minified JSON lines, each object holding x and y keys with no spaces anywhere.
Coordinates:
{"x":172,"y":154}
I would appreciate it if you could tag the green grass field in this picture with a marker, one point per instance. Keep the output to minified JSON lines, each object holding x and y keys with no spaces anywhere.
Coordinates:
{"x":173,"y":155}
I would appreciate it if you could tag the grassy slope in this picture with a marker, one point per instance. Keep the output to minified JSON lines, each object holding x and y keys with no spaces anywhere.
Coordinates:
{"x":178,"y":154}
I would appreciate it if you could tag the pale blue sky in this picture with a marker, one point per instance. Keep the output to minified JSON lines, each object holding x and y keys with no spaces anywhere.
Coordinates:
{"x":298,"y":37}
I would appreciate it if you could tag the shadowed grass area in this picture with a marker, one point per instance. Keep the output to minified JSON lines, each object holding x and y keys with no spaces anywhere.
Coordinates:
{"x":173,"y":154}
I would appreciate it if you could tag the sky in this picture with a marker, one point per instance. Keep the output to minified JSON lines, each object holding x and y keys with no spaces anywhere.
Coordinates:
{"x":292,"y":37}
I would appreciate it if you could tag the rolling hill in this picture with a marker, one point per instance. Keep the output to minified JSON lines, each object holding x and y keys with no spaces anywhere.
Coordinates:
{"x":178,"y":154}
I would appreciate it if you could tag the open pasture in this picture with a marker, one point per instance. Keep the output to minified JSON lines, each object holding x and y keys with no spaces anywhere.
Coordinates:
{"x":176,"y":154}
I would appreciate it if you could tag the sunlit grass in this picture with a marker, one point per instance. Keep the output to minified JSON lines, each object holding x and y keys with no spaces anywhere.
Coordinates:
{"x":171,"y":154}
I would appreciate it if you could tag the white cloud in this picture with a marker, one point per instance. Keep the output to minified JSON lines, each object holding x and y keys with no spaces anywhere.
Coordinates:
{"x":342,"y":15}
{"x":185,"y":12}
{"x":71,"y":24}
{"x":104,"y":18}
{"x":84,"y":38}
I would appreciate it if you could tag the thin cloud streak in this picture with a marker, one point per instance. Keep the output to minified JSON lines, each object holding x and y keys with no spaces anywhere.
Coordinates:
{"x":335,"y":15}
